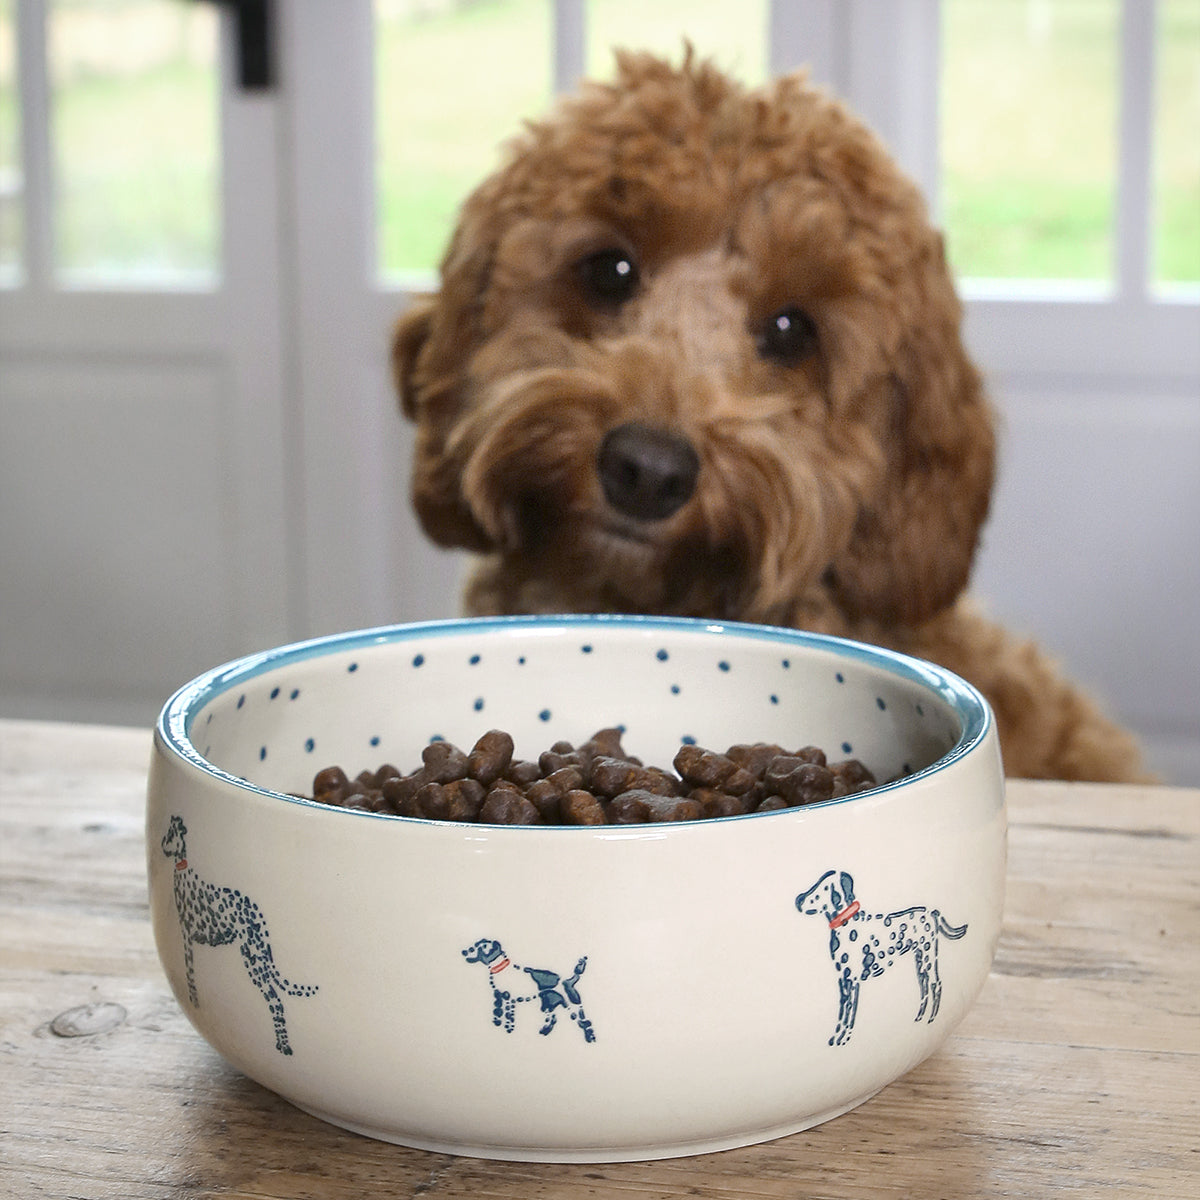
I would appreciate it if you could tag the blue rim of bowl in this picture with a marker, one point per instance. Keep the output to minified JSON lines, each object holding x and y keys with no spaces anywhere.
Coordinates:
{"x":174,"y":724}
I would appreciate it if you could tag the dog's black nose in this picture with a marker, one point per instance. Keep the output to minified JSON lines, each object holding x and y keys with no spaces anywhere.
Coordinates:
{"x":647,"y":473}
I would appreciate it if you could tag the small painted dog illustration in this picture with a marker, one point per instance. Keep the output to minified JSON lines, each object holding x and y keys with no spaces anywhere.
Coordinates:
{"x":217,"y":916}
{"x":863,"y":945}
{"x":509,"y":989}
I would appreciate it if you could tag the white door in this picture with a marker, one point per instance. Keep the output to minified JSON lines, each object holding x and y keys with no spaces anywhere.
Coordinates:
{"x":144,"y":527}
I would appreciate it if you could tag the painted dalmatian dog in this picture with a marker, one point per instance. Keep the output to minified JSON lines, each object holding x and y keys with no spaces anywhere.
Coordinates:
{"x":217,"y":916}
{"x":513,"y":984}
{"x":863,"y":945}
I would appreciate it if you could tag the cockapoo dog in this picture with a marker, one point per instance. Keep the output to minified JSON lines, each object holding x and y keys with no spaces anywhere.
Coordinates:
{"x":696,"y":351}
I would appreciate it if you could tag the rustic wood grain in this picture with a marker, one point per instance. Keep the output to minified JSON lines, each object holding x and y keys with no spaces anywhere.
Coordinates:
{"x":1076,"y":1072}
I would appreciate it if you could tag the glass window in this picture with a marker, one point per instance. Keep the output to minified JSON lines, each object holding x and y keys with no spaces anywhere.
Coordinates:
{"x":731,"y":32}
{"x":1176,"y":207}
{"x":1029,"y":127}
{"x":11,"y":174}
{"x":453,"y":79}
{"x":134,"y":132}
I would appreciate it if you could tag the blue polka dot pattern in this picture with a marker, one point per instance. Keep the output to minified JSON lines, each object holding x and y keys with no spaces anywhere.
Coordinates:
{"x":856,"y":710}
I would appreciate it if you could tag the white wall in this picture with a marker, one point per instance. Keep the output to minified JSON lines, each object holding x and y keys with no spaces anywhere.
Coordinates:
{"x":1094,"y":548}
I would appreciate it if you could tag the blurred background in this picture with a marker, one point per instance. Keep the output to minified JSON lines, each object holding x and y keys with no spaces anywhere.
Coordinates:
{"x":200,"y":260}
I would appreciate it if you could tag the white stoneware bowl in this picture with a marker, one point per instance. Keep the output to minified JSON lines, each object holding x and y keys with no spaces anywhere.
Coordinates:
{"x":574,"y":993}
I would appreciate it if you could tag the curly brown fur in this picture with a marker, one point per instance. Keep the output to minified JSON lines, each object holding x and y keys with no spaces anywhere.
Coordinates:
{"x":744,"y":285}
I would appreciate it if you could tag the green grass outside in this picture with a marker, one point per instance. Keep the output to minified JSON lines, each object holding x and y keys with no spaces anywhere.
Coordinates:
{"x":1027,"y":187}
{"x":453,"y":83}
{"x":147,"y":201}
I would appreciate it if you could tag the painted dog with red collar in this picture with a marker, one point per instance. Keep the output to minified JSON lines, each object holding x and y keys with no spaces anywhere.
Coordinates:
{"x":211,"y":915}
{"x":864,"y":945}
{"x":513,"y":984}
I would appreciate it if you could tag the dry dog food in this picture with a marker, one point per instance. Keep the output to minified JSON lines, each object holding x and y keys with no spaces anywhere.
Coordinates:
{"x":595,"y":783}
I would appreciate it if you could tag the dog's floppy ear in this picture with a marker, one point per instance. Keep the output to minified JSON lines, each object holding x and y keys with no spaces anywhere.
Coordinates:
{"x":913,"y":543}
{"x":847,"y":883}
{"x":432,"y":344}
{"x":410,"y":333}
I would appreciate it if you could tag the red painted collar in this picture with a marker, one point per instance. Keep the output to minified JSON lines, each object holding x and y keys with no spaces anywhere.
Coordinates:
{"x":841,"y":918}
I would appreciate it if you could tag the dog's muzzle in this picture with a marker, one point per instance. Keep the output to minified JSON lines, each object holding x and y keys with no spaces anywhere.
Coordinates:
{"x":646,"y":473}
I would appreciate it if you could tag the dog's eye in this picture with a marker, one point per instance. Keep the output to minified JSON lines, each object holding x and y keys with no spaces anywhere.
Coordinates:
{"x":788,"y":336}
{"x":608,"y":276}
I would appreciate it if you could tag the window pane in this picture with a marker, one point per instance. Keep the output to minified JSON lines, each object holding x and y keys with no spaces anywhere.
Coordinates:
{"x":11,"y":175}
{"x":732,"y":32}
{"x":1029,"y":120}
{"x":134,"y":97}
{"x":453,"y":79}
{"x":1177,"y":148}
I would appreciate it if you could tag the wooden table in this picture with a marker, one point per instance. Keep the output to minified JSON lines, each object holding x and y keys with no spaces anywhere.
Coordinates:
{"x":1078,"y":1071}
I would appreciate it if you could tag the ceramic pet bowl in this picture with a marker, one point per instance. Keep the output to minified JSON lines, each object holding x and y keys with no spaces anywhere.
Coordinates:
{"x":591,"y":993}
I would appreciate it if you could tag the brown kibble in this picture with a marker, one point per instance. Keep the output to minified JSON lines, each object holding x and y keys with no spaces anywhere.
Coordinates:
{"x":632,"y":807}
{"x":553,"y":760}
{"x":755,"y":757}
{"x":331,"y":782}
{"x":490,"y":757}
{"x":704,"y":768}
{"x":660,"y":782}
{"x":444,"y":762}
{"x":522,"y":772}
{"x":739,"y":783}
{"x":565,"y":779}
{"x":431,"y":803}
{"x":714,"y":803}
{"x":464,"y":798}
{"x":853,"y":773}
{"x":604,"y":743}
{"x":772,"y":804}
{"x":595,"y":783}
{"x":397,"y":792}
{"x":547,"y":799}
{"x":579,"y":807}
{"x":612,"y":776}
{"x":807,"y":784}
{"x":506,"y":806}
{"x":778,"y":769}
{"x":672,"y":808}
